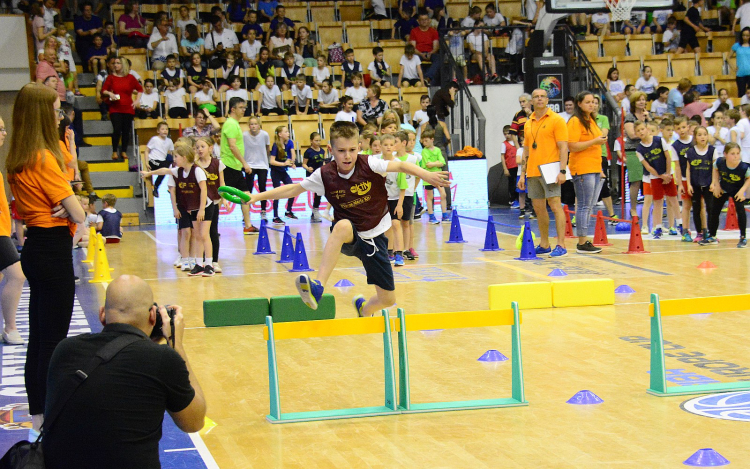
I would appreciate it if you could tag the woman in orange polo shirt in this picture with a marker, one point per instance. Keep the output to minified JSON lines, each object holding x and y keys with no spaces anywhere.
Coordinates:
{"x":45,"y":200}
{"x":585,"y":141}
{"x":9,"y":266}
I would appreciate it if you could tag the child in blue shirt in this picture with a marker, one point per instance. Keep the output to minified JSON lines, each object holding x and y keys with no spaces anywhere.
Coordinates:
{"x":282,"y":158}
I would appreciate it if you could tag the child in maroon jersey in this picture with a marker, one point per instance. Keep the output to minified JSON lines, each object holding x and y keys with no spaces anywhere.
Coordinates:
{"x":355,"y":186}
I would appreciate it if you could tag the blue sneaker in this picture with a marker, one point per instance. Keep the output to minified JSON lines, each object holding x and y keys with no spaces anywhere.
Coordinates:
{"x":559,"y":251}
{"x":707,"y":241}
{"x":540,"y":250}
{"x":742,"y":243}
{"x":433,"y":220}
{"x":686,"y":238}
{"x":309,"y":290}
{"x":446,"y":218}
{"x":657,"y":233}
{"x":514,"y":204}
{"x":673,"y":231}
{"x":398,"y":260}
{"x":359,"y":304}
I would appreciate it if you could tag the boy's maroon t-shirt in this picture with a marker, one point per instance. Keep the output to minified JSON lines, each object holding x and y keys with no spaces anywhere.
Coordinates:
{"x":361,"y":199}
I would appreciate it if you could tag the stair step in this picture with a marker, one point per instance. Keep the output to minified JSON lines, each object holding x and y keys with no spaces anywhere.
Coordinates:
{"x":115,"y":178}
{"x":85,"y":79}
{"x":91,"y":115}
{"x":87,"y":103}
{"x":127,"y":205}
{"x":87,"y":90}
{"x":121,"y":192}
{"x":96,"y":153}
{"x":96,"y":128}
{"x":103,"y":166}
{"x":130,"y":219}
{"x":101,"y":140}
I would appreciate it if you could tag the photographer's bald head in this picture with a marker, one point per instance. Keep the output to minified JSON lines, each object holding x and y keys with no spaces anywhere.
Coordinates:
{"x":129,"y":300}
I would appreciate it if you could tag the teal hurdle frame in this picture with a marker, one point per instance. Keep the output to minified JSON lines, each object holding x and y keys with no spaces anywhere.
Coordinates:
{"x":517,"y":388}
{"x":389,"y":408}
{"x":658,"y":379}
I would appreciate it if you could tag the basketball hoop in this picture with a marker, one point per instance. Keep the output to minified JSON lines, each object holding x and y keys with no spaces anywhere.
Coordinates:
{"x":620,"y":9}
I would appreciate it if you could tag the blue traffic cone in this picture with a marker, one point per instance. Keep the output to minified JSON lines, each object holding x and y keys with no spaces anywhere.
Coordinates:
{"x":344,"y":283}
{"x":287,"y":247}
{"x":706,"y":457}
{"x":456,"y":236}
{"x":557,"y":273}
{"x":492,"y":356}
{"x":490,"y":238}
{"x":264,"y":245}
{"x":300,"y":257}
{"x":528,"y":251}
{"x":585,"y":398}
{"x":624,"y":289}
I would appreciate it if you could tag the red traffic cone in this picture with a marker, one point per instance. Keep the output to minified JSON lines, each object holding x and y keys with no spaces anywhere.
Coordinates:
{"x":706,"y":265}
{"x":635,"y":246}
{"x":600,"y":233}
{"x":568,"y":225}
{"x":731,"y":217}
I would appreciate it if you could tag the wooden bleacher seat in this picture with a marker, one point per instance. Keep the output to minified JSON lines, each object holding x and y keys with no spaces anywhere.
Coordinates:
{"x":323,"y":12}
{"x":150,"y":11}
{"x":413,"y":95}
{"x":629,"y":67}
{"x":115,"y":12}
{"x":457,"y":9}
{"x":302,"y":127}
{"x":590,"y":46}
{"x":382,"y":29}
{"x":137,"y":58}
{"x":328,"y":33}
{"x":388,"y":94}
{"x":711,"y":63}
{"x":296,"y":11}
{"x":325,"y":123}
{"x":641,"y":44}
{"x":726,"y":81}
{"x":363,"y":53}
{"x":614,"y":45}
{"x":269,"y":124}
{"x":204,"y":10}
{"x":174,"y":11}
{"x":602,"y":65}
{"x":358,"y":32}
{"x":659,"y":65}
{"x":510,"y":9}
{"x":722,"y":41}
{"x":682,"y":65}
{"x":392,"y":54}
{"x":350,"y":10}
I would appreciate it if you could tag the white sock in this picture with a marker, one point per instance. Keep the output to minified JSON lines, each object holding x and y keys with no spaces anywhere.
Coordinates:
{"x":209,"y":261}
{"x":192,"y":260}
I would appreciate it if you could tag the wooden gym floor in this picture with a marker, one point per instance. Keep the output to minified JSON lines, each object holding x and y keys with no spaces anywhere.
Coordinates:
{"x":564,"y":351}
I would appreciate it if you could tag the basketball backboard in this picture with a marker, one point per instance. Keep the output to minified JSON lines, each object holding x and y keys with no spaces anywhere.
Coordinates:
{"x":593,"y":6}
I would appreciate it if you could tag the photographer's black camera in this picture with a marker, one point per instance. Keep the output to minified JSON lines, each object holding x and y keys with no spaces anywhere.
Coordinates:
{"x":157,"y":333}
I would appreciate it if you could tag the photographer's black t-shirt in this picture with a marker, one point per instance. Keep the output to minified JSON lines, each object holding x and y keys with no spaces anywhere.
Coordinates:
{"x":114,"y":419}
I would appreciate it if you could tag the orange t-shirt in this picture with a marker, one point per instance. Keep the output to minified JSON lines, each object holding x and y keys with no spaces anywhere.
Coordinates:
{"x":4,"y":211}
{"x":545,"y":132}
{"x":67,"y":158}
{"x":589,"y":160}
{"x":37,"y":189}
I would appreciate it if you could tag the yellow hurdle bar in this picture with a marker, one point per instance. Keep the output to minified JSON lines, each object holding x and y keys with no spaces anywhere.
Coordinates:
{"x":708,"y":304}
{"x":326,"y":328}
{"x":461,"y":319}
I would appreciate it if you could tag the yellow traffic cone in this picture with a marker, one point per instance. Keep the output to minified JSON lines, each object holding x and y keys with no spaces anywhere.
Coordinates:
{"x":91,"y":249}
{"x":101,"y":265}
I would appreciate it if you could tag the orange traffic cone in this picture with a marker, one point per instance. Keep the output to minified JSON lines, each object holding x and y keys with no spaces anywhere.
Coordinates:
{"x":568,"y":226}
{"x":600,"y":233}
{"x":635,"y":246}
{"x":731,"y":223}
{"x":91,"y":248}
{"x":101,"y":265}
{"x":706,"y":265}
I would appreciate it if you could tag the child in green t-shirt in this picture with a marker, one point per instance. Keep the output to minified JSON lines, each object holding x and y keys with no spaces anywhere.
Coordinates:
{"x":432,"y":160}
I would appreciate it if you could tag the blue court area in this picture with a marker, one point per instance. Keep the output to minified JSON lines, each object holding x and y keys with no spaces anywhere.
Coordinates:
{"x":177,"y":449}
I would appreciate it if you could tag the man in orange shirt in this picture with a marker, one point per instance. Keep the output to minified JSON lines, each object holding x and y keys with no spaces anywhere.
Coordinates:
{"x":545,"y":141}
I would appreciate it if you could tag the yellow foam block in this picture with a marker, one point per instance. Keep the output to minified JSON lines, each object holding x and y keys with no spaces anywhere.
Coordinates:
{"x":529,"y":295}
{"x":583,"y":292}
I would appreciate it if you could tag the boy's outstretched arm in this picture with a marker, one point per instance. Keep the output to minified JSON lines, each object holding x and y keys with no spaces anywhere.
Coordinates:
{"x":282,"y":192}
{"x":437,"y":178}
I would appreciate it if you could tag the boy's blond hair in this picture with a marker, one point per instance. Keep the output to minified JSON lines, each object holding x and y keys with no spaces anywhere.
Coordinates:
{"x":343,"y":129}
{"x":110,"y":200}
{"x":385,"y":137}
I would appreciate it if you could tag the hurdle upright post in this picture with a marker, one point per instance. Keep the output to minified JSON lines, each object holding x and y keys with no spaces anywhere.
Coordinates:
{"x":658,"y":378}
{"x":517,"y":389}
{"x":273,"y":375}
{"x":390,"y":375}
{"x":404,"y":396}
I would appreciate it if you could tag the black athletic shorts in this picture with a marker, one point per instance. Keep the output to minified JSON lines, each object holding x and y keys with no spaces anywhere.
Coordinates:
{"x":408,"y":207}
{"x":187,"y":218}
{"x":374,"y":259}
{"x":235,"y":178}
{"x":9,"y":254}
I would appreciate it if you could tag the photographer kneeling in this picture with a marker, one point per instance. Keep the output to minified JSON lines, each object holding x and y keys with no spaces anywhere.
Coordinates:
{"x":114,"y":417}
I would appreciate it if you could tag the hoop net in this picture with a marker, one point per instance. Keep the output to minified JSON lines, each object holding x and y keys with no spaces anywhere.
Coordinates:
{"x":620,"y":9}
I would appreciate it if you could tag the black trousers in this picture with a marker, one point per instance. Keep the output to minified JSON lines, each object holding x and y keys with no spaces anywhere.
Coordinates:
{"x":742,"y":84}
{"x":714,"y":212}
{"x":122,"y":125}
{"x":154,"y":165}
{"x":47,"y":262}
{"x":178,"y":113}
{"x":277,"y":178}
{"x":512,"y":194}
{"x":262,"y":179}
{"x":701,"y":192}
{"x":214,"y":233}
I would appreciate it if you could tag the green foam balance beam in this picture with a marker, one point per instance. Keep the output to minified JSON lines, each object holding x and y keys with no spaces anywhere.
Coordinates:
{"x":291,"y":308}
{"x":235,"y":312}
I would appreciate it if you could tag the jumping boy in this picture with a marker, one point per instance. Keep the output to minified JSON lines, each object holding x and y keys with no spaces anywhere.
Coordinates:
{"x":355,"y":186}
